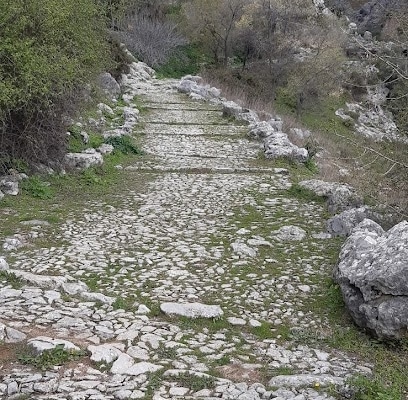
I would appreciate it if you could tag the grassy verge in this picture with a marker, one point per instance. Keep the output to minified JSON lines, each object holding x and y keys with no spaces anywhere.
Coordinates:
{"x":389,"y":360}
{"x":51,"y":198}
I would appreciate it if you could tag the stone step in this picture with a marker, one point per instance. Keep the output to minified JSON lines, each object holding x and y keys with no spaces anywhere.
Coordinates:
{"x":204,"y":170}
{"x":193,"y":130}
{"x":200,"y":146}
{"x":183,"y":117}
{"x":164,"y":106}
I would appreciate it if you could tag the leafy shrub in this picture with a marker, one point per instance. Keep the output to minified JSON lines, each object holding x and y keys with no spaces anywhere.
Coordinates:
{"x":372,"y":389}
{"x":35,"y":187}
{"x":186,"y":60}
{"x":48,"y":358}
{"x":48,"y":52}
{"x":11,"y":279}
{"x":123,"y":144}
{"x":302,"y":193}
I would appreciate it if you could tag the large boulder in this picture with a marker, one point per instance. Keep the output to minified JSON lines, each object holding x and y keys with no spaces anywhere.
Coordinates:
{"x":108,"y":85}
{"x":230,"y":109}
{"x":81,"y":161}
{"x":339,"y":196}
{"x":260,"y":130}
{"x":9,"y":185}
{"x":278,"y":145}
{"x":193,"y":85}
{"x":342,"y":224}
{"x":373,"y":275}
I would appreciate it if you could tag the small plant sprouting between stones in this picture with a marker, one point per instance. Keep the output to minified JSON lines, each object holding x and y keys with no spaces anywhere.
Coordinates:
{"x":11,"y":279}
{"x":195,"y":382}
{"x":37,"y":188}
{"x":123,"y":144}
{"x":50,"y":358}
{"x":302,"y":193}
{"x":365,"y":388}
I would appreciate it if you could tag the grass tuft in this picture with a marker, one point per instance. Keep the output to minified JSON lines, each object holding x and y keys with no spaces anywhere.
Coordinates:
{"x":50,"y":358}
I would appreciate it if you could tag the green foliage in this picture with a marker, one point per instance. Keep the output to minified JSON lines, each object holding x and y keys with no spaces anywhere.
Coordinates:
{"x":11,"y":279}
{"x":372,"y":389}
{"x":124,"y":304}
{"x":49,"y":358}
{"x":48,"y":52}
{"x":166,"y":353}
{"x":186,"y":61}
{"x":194,"y":382}
{"x":285,"y":100}
{"x":311,"y":165}
{"x":34,"y":186}
{"x":47,"y":48}
{"x":264,"y":331}
{"x":75,"y":141}
{"x":304,"y":194}
{"x":123,"y":144}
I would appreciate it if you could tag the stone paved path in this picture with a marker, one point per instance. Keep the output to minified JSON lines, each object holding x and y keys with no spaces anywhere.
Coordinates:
{"x":199,"y":220}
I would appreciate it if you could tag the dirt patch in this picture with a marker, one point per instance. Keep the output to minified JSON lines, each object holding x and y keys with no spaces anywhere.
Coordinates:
{"x":249,"y":373}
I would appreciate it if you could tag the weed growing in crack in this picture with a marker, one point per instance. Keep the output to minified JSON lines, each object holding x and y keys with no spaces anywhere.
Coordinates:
{"x":301,"y":193}
{"x":11,"y":279}
{"x":37,"y":188}
{"x":195,"y":382}
{"x":50,"y":358}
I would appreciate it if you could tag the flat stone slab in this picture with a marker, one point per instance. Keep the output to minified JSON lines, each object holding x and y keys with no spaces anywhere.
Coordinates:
{"x":290,"y":233}
{"x":125,"y":365}
{"x":186,"y":117}
{"x":42,"y":343}
{"x":192,"y":310}
{"x":107,"y":353}
{"x":193,"y":130}
{"x":305,"y":380}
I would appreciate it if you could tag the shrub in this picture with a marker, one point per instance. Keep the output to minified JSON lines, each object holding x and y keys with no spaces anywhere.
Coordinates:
{"x":123,"y":144}
{"x":152,"y":40}
{"x":186,"y":60}
{"x":36,"y":187}
{"x":48,"y":358}
{"x":48,"y":52}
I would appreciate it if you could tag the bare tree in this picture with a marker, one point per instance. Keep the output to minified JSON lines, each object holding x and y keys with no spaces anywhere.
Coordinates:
{"x":213,"y":23}
{"x":152,"y":40}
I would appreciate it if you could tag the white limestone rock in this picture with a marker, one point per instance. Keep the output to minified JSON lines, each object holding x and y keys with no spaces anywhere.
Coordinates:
{"x":373,"y":275}
{"x":92,"y":296}
{"x":3,"y":264}
{"x":290,"y":233}
{"x":42,"y":281}
{"x":305,"y":380}
{"x":125,"y":365}
{"x":278,"y":145}
{"x":108,"y":352}
{"x":42,"y":343}
{"x":81,"y":161}
{"x":9,"y":185}
{"x":192,"y":310}
{"x":243,"y":249}
{"x":105,"y":149}
{"x":108,"y":85}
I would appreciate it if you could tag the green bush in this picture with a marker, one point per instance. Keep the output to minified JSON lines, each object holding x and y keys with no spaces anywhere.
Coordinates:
{"x":48,"y":47}
{"x":35,"y":187}
{"x":48,"y":52}
{"x":48,"y":358}
{"x":186,"y":60}
{"x":123,"y":144}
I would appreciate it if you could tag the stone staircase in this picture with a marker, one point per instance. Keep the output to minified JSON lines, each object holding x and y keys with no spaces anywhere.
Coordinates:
{"x":201,"y":219}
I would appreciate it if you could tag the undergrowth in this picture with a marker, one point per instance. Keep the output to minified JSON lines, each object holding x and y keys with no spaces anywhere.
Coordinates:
{"x":49,"y":358}
{"x":186,"y":60}
{"x":388,"y":359}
